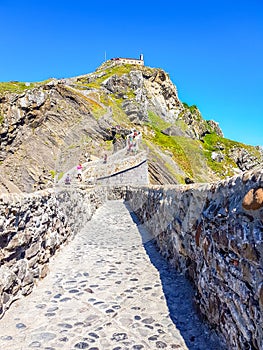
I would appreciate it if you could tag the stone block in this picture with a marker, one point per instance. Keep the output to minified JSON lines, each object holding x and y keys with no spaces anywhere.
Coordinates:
{"x":20,"y":269}
{"x":7,"y":278}
{"x":28,"y":279}
{"x":43,"y":271}
{"x":6,"y":297}
{"x":33,"y":250}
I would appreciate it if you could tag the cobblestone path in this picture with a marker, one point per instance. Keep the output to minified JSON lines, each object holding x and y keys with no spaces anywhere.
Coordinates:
{"x":107,"y":290}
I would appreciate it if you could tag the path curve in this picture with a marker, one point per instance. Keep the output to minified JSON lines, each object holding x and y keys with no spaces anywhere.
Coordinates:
{"x":107,"y":290}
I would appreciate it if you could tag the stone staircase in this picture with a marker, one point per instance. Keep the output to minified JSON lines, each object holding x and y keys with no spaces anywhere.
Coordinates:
{"x":112,"y":171}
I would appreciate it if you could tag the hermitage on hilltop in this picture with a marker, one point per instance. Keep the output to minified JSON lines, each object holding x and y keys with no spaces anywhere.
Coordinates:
{"x":120,"y":60}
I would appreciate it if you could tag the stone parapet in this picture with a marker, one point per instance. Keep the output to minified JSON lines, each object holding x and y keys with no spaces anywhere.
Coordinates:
{"x":124,"y":170}
{"x":32,"y":228}
{"x":213,"y":234}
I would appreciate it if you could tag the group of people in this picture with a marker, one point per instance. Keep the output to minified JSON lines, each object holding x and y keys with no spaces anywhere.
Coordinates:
{"x":79,"y":175}
{"x":133,"y":140}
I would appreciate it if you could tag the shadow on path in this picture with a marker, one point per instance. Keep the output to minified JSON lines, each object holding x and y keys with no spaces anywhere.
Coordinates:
{"x":179,"y":293}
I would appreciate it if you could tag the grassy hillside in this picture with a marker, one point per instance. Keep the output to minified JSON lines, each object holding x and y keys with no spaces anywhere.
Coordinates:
{"x":77,"y":117}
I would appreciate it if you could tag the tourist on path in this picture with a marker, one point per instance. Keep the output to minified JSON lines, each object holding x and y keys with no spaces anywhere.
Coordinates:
{"x":79,"y":171}
{"x":67,"y":180}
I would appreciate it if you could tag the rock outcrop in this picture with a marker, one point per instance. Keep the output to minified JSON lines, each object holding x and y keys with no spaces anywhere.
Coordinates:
{"x":46,"y":129}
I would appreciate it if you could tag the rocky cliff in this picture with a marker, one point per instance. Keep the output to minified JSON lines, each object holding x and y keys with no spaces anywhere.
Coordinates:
{"x":47,"y":127}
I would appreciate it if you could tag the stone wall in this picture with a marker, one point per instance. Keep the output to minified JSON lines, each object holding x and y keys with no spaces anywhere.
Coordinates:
{"x":32,"y":229}
{"x":136,"y":175}
{"x":213,"y":234}
{"x":120,"y":169}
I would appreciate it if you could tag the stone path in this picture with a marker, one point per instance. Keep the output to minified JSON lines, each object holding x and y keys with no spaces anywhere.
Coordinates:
{"x":107,"y":290}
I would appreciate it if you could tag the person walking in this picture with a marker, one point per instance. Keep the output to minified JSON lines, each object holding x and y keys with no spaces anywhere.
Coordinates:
{"x":79,"y":171}
{"x":67,"y":180}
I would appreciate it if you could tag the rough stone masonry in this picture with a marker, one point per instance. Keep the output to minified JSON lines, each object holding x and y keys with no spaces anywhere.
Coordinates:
{"x":32,"y":228}
{"x":213,"y":233}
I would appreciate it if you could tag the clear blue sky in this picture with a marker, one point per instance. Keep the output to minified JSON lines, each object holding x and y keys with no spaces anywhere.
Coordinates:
{"x":212,"y":50}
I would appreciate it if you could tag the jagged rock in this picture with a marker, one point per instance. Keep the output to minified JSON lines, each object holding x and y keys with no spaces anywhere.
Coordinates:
{"x":215,"y":127}
{"x":135,"y":112}
{"x":65,"y":119}
{"x":243,"y":159}
{"x":188,"y":181}
{"x":32,"y":99}
{"x":217,"y":156}
{"x":162,"y":95}
{"x":117,"y":84}
{"x":197,"y":127}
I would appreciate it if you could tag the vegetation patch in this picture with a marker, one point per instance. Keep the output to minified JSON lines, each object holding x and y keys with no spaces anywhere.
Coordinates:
{"x":108,"y":72}
{"x":179,"y":155}
{"x":179,"y":178}
{"x":181,"y":124}
{"x":214,"y":143}
{"x":15,"y":87}
{"x":157,"y":122}
{"x":60,"y":175}
{"x":195,"y":154}
{"x":118,"y":115}
{"x":108,"y":145}
{"x":53,"y":173}
{"x":97,"y":109}
{"x":156,"y":157}
{"x":194,"y":111}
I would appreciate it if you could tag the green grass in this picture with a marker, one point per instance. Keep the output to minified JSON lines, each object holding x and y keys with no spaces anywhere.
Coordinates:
{"x":178,"y":177}
{"x":96,"y":108}
{"x":157,"y":122}
{"x":179,"y":155}
{"x":118,"y":114}
{"x":108,"y":145}
{"x":181,"y":124}
{"x":109,"y":71}
{"x":99,"y":108}
{"x":156,"y":157}
{"x":53,"y":173}
{"x":192,"y":108}
{"x":15,"y":87}
{"x":196,"y":156}
{"x":212,"y":142}
{"x":60,"y":175}
{"x":130,"y":94}
{"x":19,"y":87}
{"x":1,"y":119}
{"x":116,"y":70}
